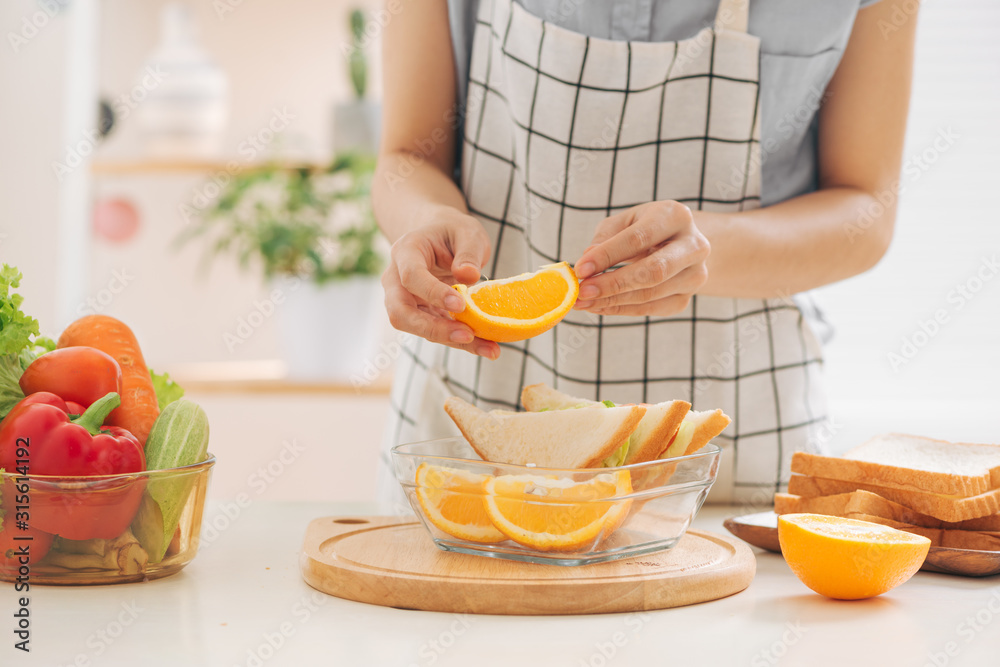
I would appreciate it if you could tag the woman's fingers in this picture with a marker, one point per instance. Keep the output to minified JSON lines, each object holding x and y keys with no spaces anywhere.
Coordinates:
{"x":630,"y":234}
{"x":471,"y":249}
{"x":687,"y":281}
{"x":407,"y":314}
{"x":411,"y":263}
{"x":656,"y":269}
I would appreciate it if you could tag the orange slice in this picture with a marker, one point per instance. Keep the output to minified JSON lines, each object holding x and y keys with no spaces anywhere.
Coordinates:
{"x":557,"y":514}
{"x":452,"y":500}
{"x":849,"y":559}
{"x":520,"y":307}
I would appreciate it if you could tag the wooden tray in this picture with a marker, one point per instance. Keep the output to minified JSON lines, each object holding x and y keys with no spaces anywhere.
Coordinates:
{"x":761,"y":530}
{"x":391,"y":561}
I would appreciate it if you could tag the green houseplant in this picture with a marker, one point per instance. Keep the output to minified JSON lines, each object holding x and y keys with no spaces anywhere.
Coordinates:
{"x":356,"y":122}
{"x":311,"y":234}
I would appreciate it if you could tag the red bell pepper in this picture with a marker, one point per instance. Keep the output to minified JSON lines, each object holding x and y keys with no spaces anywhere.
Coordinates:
{"x":78,"y":374}
{"x":39,"y":430}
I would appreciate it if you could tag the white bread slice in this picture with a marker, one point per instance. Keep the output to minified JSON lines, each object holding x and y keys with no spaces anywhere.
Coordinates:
{"x":946,"y":508}
{"x":538,"y":397}
{"x":835,"y":505}
{"x":651,"y":436}
{"x":552,"y":439}
{"x":696,"y":430}
{"x":848,"y":505}
{"x":912,"y":463}
{"x":872,"y":504}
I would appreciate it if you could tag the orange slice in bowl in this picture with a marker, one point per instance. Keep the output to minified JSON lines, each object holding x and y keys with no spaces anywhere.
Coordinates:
{"x":452,"y":500}
{"x":520,"y":307}
{"x":557,"y":514}
{"x":847,"y":559}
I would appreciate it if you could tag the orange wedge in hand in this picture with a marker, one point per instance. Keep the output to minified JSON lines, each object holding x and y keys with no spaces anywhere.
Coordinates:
{"x":557,"y":514}
{"x":520,"y":307}
{"x":848,"y":559}
{"x":452,"y":500}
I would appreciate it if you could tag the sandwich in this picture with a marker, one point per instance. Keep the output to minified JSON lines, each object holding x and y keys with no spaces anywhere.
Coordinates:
{"x":667,"y":429}
{"x":553,"y":439}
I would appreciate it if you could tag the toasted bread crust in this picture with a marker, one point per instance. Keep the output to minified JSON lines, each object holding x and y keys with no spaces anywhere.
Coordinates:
{"x":945,"y":508}
{"x":619,"y":438}
{"x":660,"y":437}
{"x":835,"y":505}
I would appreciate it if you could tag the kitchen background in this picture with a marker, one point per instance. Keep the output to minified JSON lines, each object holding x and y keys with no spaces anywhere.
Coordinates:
{"x":917,"y":343}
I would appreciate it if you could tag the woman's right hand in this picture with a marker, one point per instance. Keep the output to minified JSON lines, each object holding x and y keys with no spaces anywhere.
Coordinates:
{"x":424,"y":264}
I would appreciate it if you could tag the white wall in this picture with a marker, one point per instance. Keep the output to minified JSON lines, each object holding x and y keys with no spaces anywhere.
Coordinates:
{"x":948,"y":222}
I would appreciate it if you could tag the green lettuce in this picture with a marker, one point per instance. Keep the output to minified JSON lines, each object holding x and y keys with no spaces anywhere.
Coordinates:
{"x":167,"y":391}
{"x":19,"y":340}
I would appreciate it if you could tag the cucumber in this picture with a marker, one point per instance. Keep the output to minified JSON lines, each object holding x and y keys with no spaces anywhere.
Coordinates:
{"x":178,"y":438}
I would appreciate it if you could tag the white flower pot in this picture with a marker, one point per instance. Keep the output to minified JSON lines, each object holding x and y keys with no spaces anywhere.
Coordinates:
{"x":356,"y":127}
{"x":328,"y":332}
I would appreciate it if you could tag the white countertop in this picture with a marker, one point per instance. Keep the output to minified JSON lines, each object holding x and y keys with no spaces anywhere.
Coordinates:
{"x":243,"y":594}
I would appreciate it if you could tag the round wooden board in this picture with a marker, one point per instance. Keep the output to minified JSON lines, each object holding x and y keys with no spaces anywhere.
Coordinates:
{"x":391,"y":561}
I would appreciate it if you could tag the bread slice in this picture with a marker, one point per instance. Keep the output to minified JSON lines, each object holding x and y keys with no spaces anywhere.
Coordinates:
{"x":911,"y":462}
{"x":940,"y":537}
{"x":697,"y":429}
{"x":946,"y":508}
{"x":851,"y":506}
{"x":872,"y":504}
{"x":552,"y":439}
{"x":835,"y":505}
{"x":650,"y":437}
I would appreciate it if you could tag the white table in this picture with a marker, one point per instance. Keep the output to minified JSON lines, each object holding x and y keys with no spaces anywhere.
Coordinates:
{"x":243,"y":595}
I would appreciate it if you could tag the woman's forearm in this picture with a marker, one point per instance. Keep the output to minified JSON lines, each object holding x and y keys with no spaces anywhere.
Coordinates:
{"x":804,"y":242}
{"x":409,"y":191}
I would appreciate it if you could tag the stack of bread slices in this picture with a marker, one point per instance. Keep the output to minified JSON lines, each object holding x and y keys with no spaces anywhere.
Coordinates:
{"x":948,"y":492}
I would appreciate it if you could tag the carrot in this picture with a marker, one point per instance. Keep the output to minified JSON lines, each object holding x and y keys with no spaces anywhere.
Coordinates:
{"x":139,"y":408}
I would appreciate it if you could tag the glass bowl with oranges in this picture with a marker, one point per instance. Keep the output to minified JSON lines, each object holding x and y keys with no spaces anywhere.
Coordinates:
{"x":550,"y":515}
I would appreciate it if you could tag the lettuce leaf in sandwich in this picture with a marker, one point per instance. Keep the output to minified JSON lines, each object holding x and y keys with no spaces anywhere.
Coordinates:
{"x":618,"y":457}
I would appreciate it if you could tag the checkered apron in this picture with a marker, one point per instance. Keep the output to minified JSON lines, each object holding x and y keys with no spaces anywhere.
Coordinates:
{"x":563,"y":130}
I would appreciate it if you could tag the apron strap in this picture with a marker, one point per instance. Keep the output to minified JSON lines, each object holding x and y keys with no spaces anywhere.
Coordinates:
{"x":732,"y":15}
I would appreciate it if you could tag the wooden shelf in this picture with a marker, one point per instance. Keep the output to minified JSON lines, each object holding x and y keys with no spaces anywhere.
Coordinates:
{"x":266,"y":376}
{"x":140,"y":166}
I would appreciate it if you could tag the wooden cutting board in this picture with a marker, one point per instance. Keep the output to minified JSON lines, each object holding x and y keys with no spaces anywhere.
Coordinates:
{"x":391,"y":561}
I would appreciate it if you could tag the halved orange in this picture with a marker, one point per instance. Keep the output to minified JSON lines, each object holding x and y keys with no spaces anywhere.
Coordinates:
{"x":849,"y":559}
{"x":452,"y":500}
{"x":557,"y":514}
{"x":520,"y":307}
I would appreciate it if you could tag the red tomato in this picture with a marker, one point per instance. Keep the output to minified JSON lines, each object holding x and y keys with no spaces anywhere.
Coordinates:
{"x":37,"y":546}
{"x":78,"y":374}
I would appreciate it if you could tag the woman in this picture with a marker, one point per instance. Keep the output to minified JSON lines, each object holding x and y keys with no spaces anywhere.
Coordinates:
{"x":699,"y":163}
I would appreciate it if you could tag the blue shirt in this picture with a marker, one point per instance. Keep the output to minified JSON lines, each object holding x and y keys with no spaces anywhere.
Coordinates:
{"x":801,"y":45}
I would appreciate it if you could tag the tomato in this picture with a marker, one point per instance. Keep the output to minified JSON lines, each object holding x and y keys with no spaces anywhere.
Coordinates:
{"x":78,"y":374}
{"x":37,"y":546}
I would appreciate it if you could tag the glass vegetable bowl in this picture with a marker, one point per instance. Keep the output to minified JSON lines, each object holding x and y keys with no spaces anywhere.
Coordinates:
{"x":108,"y":529}
{"x":549,"y":515}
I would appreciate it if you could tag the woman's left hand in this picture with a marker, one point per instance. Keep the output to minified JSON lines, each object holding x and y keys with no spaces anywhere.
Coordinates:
{"x":664,"y":256}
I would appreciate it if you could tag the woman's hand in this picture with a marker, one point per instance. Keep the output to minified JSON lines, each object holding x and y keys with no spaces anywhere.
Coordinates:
{"x":664,"y":255}
{"x":423,"y":265}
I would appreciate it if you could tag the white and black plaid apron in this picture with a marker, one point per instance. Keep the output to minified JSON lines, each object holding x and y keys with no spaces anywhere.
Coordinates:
{"x":563,"y":130}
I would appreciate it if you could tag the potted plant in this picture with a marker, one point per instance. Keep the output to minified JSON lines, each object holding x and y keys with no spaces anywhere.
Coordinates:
{"x":312,"y":234}
{"x":355,"y":123}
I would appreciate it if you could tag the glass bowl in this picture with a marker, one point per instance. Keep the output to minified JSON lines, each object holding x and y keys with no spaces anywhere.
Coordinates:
{"x":108,"y":529}
{"x":549,"y":515}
